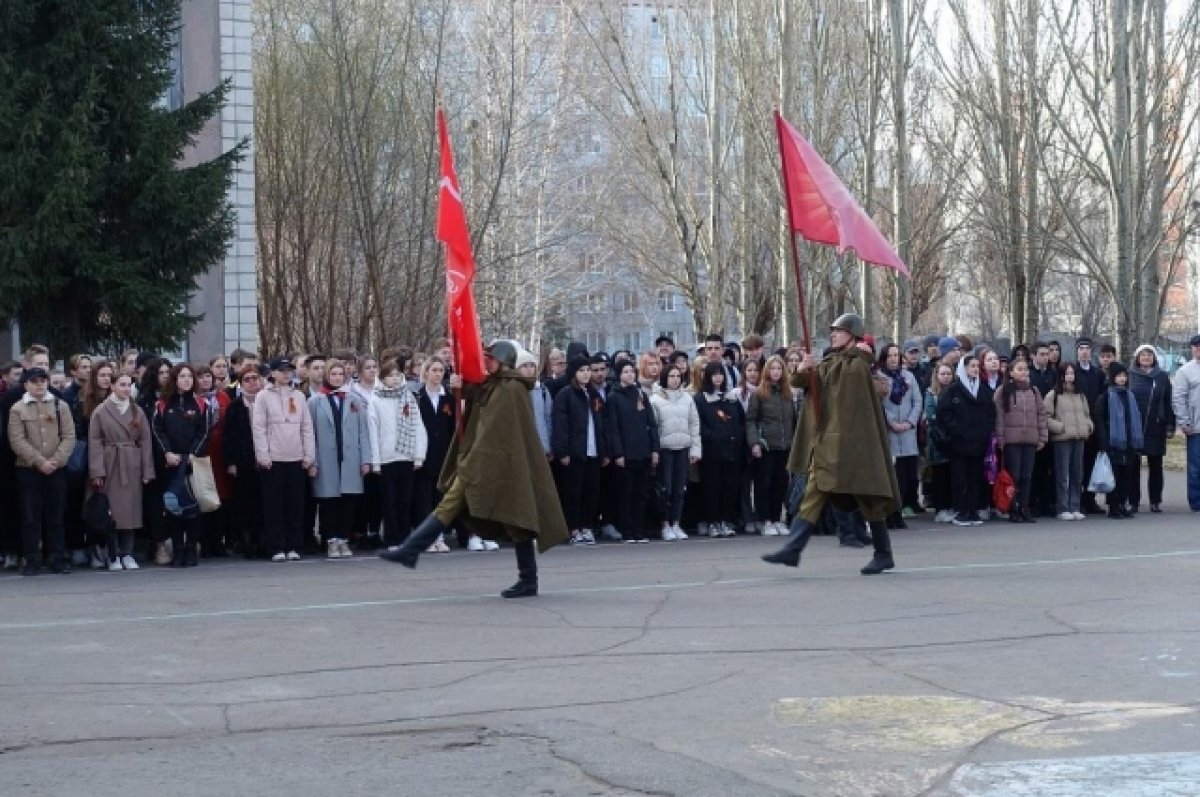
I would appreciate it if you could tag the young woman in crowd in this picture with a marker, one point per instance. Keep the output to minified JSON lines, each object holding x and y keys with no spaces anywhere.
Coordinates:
{"x":553,"y":364}
{"x":751,"y":372}
{"x":220,"y":372}
{"x":92,"y":394}
{"x":439,"y":416}
{"x":679,"y":441}
{"x":1021,"y":431}
{"x":285,"y":450}
{"x":1069,"y":421}
{"x":770,"y":425}
{"x":1118,"y":423}
{"x":398,"y":446}
{"x":649,"y":373}
{"x":155,"y":375}
{"x":181,"y":432}
{"x":577,"y":440}
{"x":362,"y":381}
{"x":902,"y":412}
{"x":246,"y":511}
{"x":632,"y":445}
{"x":539,"y":395}
{"x":992,"y":376}
{"x":1151,"y":386}
{"x":120,"y":464}
{"x":343,"y":444}
{"x":213,"y":523}
{"x":939,"y":493}
{"x":966,"y":416}
{"x":723,"y":440}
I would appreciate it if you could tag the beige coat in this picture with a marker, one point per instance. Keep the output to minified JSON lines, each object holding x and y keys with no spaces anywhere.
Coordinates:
{"x":121,"y":453}
{"x":40,"y":431}
{"x":1070,"y":420}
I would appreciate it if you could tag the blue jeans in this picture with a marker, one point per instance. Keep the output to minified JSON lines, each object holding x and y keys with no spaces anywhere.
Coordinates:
{"x":1193,"y":471}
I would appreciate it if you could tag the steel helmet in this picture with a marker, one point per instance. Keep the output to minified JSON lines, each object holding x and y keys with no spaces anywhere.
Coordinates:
{"x":852,"y":323}
{"x":505,"y":351}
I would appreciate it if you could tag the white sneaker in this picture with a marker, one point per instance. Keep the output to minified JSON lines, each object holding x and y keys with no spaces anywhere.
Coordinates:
{"x":730,"y":531}
{"x":440,"y":546}
{"x":344,"y":549}
{"x":668,"y":534}
{"x":292,"y":556}
{"x":129,"y":563}
{"x":679,"y":535}
{"x":12,"y":561}
{"x":279,"y":557}
{"x":769,"y":529}
{"x":488,"y":545}
{"x":1066,"y":515}
{"x":475,"y":544}
{"x":115,"y":564}
{"x":1077,"y":516}
{"x":332,"y":551}
{"x":588,"y":537}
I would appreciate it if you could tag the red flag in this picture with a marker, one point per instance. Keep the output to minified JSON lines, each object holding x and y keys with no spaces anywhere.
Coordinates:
{"x":460,"y":266}
{"x":821,"y":208}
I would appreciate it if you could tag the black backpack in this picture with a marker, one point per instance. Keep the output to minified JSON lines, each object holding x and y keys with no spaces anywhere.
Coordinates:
{"x":97,"y":514}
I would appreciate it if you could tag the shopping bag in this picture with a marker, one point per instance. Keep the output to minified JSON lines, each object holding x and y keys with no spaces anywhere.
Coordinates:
{"x":1003,"y":491}
{"x":204,"y":485}
{"x":1103,"y":480}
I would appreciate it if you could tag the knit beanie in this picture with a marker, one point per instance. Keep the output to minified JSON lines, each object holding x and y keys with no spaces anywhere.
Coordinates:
{"x":947,"y":345}
{"x":1115,"y":368}
{"x":575,"y":364}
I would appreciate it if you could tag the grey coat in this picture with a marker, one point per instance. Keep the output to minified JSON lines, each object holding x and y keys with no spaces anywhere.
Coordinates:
{"x":904,"y":444}
{"x":333,"y":480}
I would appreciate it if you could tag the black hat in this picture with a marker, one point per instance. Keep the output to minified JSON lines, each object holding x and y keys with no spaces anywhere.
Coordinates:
{"x":599,"y":358}
{"x":575,"y":364}
{"x":282,"y":364}
{"x":30,"y":374}
{"x":1115,"y":368}
{"x":1084,"y":341}
{"x":1195,"y":341}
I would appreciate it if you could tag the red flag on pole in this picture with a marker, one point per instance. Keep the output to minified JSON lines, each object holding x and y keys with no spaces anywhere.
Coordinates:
{"x":821,"y":208}
{"x":460,"y":266}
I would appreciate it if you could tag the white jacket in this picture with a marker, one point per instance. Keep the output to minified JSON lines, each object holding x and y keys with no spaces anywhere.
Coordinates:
{"x":678,"y":421}
{"x":1185,"y":394}
{"x":397,"y":431}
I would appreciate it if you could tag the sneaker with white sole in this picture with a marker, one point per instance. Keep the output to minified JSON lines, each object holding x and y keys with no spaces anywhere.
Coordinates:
{"x":99,"y":557}
{"x":114,"y":565}
{"x":1066,"y":515}
{"x":344,"y":549}
{"x":588,"y":537}
{"x":1078,"y":516}
{"x":668,"y":534}
{"x":129,"y":563}
{"x":488,"y":545}
{"x":679,"y":533}
{"x":279,"y":557}
{"x":292,"y":556}
{"x":332,"y":551}
{"x":441,"y":545}
{"x":475,"y":544}
{"x":770,"y":529}
{"x":12,"y":561}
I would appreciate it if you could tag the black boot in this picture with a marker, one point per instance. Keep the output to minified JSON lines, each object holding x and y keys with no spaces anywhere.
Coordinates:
{"x":177,"y":557}
{"x":421,"y":538}
{"x":896,"y":521}
{"x":526,"y":586}
{"x":189,"y":554}
{"x":1027,"y":516}
{"x":789,"y":554}
{"x":883,"y":550}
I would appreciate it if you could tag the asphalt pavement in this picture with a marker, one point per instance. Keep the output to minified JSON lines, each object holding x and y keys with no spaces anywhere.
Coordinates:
{"x":1056,"y":659}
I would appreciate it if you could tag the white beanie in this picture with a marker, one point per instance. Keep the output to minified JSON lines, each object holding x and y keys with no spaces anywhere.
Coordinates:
{"x":524,"y":356}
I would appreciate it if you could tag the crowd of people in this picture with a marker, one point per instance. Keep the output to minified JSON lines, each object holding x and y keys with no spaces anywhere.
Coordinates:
{"x":331,"y":454}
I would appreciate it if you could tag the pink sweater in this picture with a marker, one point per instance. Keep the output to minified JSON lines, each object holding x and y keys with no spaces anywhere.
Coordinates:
{"x":282,"y":427}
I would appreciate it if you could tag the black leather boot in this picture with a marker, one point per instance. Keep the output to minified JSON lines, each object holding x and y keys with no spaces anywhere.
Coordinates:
{"x":178,"y":559}
{"x":527,"y":585}
{"x":421,"y":538}
{"x":190,"y":555}
{"x":883,"y":550}
{"x":789,"y":554}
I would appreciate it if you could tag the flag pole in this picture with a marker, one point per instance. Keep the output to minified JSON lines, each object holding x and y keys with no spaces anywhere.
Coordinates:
{"x":801,"y":303}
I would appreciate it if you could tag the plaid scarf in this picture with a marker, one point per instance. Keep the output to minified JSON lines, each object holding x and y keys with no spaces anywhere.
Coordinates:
{"x":408,"y":415}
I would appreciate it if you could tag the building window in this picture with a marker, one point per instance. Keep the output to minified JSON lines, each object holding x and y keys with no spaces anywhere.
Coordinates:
{"x":594,"y":302}
{"x":623,"y":302}
{"x":658,"y":66}
{"x":590,"y":263}
{"x":666,"y":301}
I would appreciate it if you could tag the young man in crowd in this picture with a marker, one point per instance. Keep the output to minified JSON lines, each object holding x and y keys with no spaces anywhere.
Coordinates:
{"x":1042,"y":376}
{"x":665,"y":347}
{"x":316,"y":375}
{"x":752,"y":350}
{"x":41,"y":434}
{"x":1089,"y":380}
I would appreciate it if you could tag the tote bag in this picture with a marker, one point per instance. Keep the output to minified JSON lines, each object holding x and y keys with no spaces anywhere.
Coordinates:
{"x":204,"y":485}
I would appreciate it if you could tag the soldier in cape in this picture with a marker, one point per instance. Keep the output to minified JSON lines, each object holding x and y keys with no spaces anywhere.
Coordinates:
{"x":496,"y":478}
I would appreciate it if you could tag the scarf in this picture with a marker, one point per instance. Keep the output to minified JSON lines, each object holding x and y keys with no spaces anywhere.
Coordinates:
{"x":899,"y":384}
{"x":122,"y":405}
{"x":972,"y":385}
{"x":407,"y":416}
{"x":1124,"y":421}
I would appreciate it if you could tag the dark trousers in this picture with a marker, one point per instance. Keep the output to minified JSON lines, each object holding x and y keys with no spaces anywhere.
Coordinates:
{"x":283,"y":506}
{"x":749,"y":477}
{"x":153,"y":515}
{"x":10,"y":521}
{"x":397,"y":481}
{"x":672,"y":481}
{"x":1155,"y":480}
{"x":966,"y":473}
{"x":1043,"y":497}
{"x":770,"y":485}
{"x":76,"y":534}
{"x":120,"y":543}
{"x":633,"y":488}
{"x":718,"y":485}
{"x":42,"y":499}
{"x":1089,"y":462}
{"x":579,"y":492}
{"x":606,"y":503}
{"x":248,"y":510}
{"x":1018,"y":461}
{"x":908,"y":478}
{"x":938,"y":492}
{"x":1125,"y":472}
{"x":370,"y":508}
{"x":185,"y":536}
{"x":337,"y":516}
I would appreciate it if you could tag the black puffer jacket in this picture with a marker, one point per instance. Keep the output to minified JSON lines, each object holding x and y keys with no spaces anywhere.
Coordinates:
{"x":722,"y":427}
{"x":629,"y":424}
{"x":965,"y":422}
{"x":569,"y":429}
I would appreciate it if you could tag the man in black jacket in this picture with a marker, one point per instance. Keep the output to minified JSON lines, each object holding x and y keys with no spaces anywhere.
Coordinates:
{"x":1089,"y":380}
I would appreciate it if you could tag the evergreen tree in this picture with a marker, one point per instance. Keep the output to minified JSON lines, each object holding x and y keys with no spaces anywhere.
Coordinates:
{"x":103,"y":232}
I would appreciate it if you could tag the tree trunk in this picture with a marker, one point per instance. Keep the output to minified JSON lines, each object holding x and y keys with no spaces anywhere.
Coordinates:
{"x":900,"y":183}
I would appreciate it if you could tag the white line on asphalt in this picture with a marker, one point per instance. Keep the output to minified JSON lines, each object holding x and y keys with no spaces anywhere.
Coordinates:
{"x":320,"y":607}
